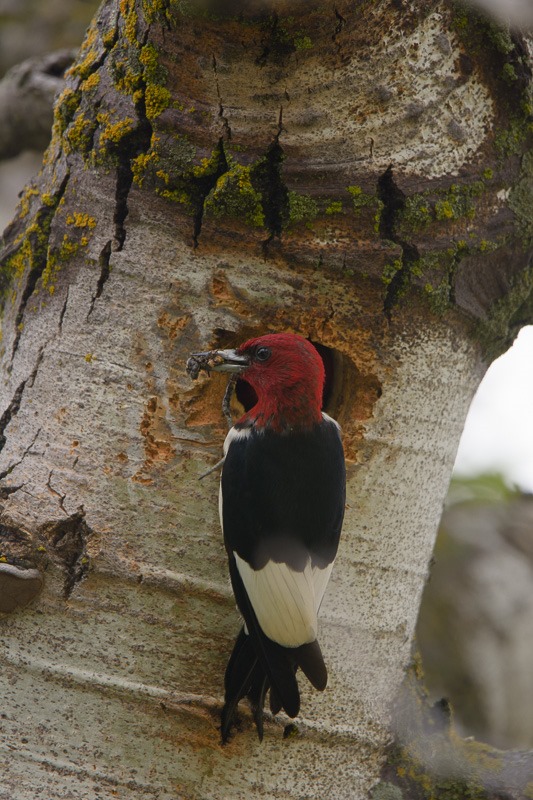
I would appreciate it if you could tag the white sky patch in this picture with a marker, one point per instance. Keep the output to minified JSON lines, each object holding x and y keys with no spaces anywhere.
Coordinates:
{"x":515,"y":12}
{"x":498,"y":435}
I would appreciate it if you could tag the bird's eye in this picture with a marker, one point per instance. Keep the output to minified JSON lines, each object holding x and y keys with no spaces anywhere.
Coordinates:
{"x":263,"y":353}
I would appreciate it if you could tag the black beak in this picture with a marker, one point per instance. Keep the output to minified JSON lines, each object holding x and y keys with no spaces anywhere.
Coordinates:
{"x":229,"y":361}
{"x":217,"y":361}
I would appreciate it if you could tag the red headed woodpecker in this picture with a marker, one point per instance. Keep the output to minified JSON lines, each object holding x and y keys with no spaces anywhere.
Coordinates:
{"x":282,"y":497}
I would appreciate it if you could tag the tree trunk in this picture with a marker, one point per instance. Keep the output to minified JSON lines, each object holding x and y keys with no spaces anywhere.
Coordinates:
{"x":357,"y":173}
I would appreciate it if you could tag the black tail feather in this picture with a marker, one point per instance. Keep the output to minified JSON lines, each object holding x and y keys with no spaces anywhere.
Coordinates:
{"x":247,"y":676}
{"x":257,"y":696}
{"x":238,"y":665}
{"x":238,"y":680}
{"x":310,"y":660}
{"x":275,"y":702}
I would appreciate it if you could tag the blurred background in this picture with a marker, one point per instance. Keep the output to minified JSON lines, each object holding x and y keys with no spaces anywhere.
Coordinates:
{"x":475,"y":631}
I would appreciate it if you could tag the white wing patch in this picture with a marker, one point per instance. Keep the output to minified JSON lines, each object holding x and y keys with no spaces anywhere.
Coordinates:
{"x":327,"y":418}
{"x":233,"y":435}
{"x":285,"y":601}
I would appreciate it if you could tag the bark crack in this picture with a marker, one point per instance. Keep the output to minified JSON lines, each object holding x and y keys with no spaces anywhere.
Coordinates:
{"x":63,"y":311}
{"x":224,"y":119}
{"x":137,"y":143}
{"x":393,"y":200}
{"x":68,"y":540}
{"x":38,"y":237}
{"x":104,"y":262}
{"x":57,"y":494}
{"x":276,"y":45}
{"x":9,"y":470}
{"x":341,"y":22}
{"x":201,"y":186}
{"x":14,"y":406}
{"x":266,"y":176}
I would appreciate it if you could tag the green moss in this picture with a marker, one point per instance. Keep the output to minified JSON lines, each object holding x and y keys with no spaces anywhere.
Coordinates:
{"x":390,"y":270}
{"x":361,"y":200}
{"x":458,"y":201}
{"x":509,"y":73}
{"x":507,"y":316}
{"x":477,"y":30}
{"x":521,"y":198}
{"x":445,"y":210}
{"x":486,"y":246}
{"x":510,"y":141}
{"x":334,"y":207}
{"x":415,"y":777}
{"x":416,"y":214}
{"x":302,"y":42}
{"x":234,"y":195}
{"x":169,"y":166}
{"x":302,"y":208}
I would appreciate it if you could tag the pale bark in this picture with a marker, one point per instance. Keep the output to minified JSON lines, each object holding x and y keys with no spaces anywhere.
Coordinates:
{"x":112,"y":679}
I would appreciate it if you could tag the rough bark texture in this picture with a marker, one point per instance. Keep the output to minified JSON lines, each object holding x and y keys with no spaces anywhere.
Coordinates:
{"x":358,"y":174}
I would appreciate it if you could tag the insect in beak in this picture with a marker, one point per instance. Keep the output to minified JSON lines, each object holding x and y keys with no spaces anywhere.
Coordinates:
{"x":216,"y":361}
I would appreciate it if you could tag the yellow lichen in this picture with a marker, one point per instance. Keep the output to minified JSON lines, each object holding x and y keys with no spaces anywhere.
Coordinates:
{"x":141,"y":164}
{"x":88,"y":56}
{"x":157,"y":99}
{"x":80,"y":133}
{"x":127,"y":11}
{"x":115,"y":132}
{"x":150,"y":60}
{"x":25,"y":201}
{"x":81,"y":220}
{"x":91,"y":83}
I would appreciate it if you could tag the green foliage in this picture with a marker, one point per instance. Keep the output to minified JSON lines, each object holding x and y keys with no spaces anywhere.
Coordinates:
{"x":488,"y":487}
